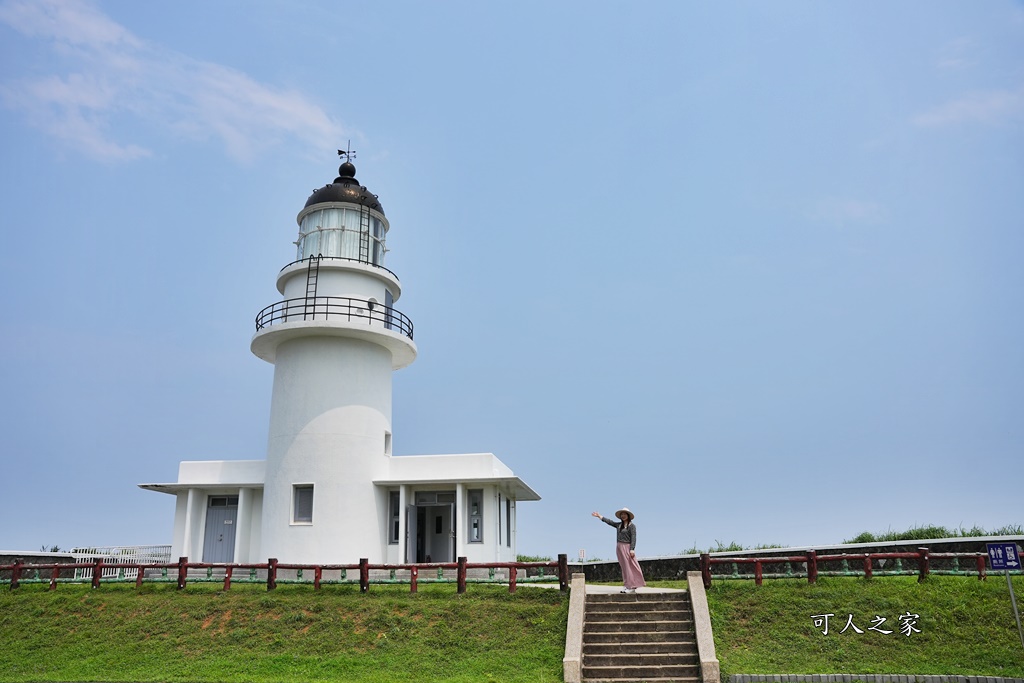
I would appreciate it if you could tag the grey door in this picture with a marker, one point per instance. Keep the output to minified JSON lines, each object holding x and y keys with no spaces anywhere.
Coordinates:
{"x":221,"y":517}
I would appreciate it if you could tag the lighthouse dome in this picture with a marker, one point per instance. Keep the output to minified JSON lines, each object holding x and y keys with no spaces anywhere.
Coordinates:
{"x":345,"y":188}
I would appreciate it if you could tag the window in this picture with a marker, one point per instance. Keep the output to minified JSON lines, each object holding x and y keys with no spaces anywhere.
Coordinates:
{"x":499,"y":519}
{"x":387,"y":443}
{"x":302,"y":510}
{"x":508,"y":522}
{"x":434,"y":497}
{"x":389,"y":302}
{"x":476,"y":515}
{"x":393,"y":506}
{"x":343,"y":232}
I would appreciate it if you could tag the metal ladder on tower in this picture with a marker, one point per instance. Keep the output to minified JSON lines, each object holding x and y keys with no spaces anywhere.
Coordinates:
{"x":364,"y":234}
{"x":312,"y":274}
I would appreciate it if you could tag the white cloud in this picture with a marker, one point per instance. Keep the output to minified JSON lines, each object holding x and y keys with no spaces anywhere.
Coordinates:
{"x":992,"y":107}
{"x":112,"y":73}
{"x":71,"y":22}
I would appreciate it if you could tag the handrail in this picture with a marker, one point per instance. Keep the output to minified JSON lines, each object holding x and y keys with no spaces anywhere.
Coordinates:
{"x":272,"y":566}
{"x":923,"y":557}
{"x":342,"y":258}
{"x":334,"y":308}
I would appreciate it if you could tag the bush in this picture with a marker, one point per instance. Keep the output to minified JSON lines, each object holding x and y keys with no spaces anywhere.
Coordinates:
{"x":919,"y":533}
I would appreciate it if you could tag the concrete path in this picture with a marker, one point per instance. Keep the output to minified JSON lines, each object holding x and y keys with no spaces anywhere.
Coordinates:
{"x":593,"y":588}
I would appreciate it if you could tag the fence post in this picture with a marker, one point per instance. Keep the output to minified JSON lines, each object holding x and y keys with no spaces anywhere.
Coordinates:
{"x":97,"y":571}
{"x":271,"y":573}
{"x":513,"y":572}
{"x":563,"y":572}
{"x":182,"y":572}
{"x":227,"y":577}
{"x":705,"y":569}
{"x":867,"y":565}
{"x":54,"y":577}
{"x":812,"y":566}
{"x":758,"y":577}
{"x":364,"y":574}
{"x":462,"y":575}
{"x":318,"y":574}
{"x":16,"y":572}
{"x":981,"y":567}
{"x":922,"y":564}
{"x":139,"y":576}
{"x":414,"y":573}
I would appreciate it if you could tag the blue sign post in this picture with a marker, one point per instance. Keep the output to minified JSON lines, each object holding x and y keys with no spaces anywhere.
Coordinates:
{"x":1006,"y":556}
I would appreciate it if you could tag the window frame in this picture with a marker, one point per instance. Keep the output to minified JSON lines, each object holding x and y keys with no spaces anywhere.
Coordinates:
{"x":394,"y":515}
{"x":475,"y":496}
{"x":297,"y":499}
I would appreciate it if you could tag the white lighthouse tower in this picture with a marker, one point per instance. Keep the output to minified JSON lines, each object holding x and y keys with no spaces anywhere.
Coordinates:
{"x":330,"y":490}
{"x":334,"y":341}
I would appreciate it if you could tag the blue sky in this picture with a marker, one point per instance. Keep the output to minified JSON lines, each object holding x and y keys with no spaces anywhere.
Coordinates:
{"x":751,"y":269}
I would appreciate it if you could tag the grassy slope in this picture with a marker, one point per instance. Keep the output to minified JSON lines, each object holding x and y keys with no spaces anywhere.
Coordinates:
{"x":294,"y":633}
{"x":967,"y":626}
{"x":159,"y":634}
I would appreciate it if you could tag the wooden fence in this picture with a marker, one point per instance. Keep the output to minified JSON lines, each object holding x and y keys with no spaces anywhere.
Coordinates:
{"x":851,"y":564}
{"x":272,"y":569}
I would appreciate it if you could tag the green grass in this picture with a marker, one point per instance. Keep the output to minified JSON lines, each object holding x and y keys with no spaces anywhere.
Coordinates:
{"x":118,"y":633}
{"x":967,"y":626}
{"x":156,"y":633}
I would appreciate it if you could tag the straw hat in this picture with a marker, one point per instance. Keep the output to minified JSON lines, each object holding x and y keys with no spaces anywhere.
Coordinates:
{"x":627,"y":511}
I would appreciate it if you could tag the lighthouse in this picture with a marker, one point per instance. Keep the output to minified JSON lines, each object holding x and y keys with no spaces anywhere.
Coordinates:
{"x":334,"y":341}
{"x":330,"y":490}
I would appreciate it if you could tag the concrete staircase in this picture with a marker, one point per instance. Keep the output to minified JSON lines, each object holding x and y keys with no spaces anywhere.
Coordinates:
{"x":639,"y":637}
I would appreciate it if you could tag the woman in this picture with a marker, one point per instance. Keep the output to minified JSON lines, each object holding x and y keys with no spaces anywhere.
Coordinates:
{"x":625,"y":549}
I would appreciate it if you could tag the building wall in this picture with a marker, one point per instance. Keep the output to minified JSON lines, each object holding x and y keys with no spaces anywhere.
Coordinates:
{"x":330,"y":414}
{"x":332,"y":281}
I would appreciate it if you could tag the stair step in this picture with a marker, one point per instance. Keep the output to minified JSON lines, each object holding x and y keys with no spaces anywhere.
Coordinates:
{"x":662,"y":659}
{"x":653,"y":615}
{"x":672,"y":679}
{"x":666,"y":647}
{"x":640,"y":615}
{"x":648,"y":637}
{"x":643,"y":673}
{"x":607,"y":605}
{"x":638,"y":607}
{"x":638,"y":597}
{"x":640,"y":627}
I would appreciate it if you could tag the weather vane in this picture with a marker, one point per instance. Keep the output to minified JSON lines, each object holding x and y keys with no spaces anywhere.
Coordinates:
{"x":349,"y":153}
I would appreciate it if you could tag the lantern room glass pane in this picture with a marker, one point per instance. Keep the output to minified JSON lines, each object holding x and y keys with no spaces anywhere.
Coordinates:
{"x":342,"y":233}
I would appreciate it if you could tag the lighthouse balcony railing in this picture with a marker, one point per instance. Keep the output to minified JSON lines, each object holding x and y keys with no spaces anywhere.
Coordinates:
{"x":335,"y":309}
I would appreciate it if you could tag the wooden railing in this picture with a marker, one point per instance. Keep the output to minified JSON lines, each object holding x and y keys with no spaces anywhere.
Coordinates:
{"x":272,"y":568}
{"x":850,"y":564}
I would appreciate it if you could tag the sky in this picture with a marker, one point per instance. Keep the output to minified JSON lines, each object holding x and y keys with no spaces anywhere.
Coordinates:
{"x":750,"y":269}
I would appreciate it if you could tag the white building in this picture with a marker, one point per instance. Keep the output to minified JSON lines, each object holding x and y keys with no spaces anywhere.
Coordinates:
{"x":330,"y":490}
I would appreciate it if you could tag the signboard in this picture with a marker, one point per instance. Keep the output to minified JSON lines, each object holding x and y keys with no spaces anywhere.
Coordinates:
{"x":1003,"y":556}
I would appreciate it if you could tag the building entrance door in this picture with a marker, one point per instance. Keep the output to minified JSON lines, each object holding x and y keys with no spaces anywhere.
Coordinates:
{"x":219,"y":540}
{"x":432,"y":534}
